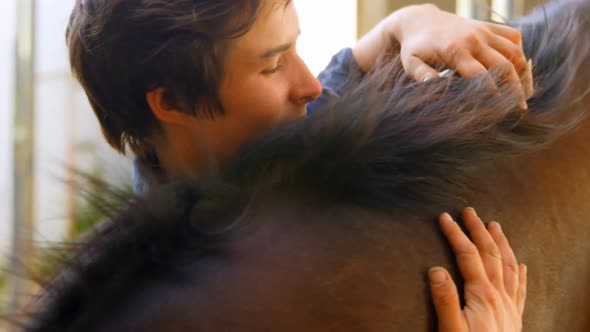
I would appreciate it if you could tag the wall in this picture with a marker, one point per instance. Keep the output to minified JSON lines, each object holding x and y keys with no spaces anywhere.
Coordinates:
{"x":66,"y":131}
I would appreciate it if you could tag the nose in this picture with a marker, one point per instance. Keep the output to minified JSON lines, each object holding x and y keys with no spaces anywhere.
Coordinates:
{"x":306,"y":87}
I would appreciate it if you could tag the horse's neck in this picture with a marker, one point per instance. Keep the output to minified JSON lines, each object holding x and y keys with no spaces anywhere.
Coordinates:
{"x":542,"y":203}
{"x":558,"y":176}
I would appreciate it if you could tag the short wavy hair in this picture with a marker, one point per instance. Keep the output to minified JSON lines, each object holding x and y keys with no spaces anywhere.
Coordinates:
{"x":120,"y":50}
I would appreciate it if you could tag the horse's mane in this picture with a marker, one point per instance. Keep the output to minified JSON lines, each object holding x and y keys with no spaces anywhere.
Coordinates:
{"x":393,"y":143}
{"x":388,"y":142}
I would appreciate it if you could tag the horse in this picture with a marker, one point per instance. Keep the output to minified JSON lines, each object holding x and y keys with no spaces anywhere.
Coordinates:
{"x":327,"y":223}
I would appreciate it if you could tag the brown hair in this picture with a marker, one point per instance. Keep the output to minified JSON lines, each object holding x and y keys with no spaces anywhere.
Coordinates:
{"x":120,"y":50}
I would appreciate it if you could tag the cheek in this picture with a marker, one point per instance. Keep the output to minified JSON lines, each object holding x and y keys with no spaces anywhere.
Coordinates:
{"x":258,"y":104}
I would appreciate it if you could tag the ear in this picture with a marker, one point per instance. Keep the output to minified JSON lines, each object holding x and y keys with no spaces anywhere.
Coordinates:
{"x":163,"y":111}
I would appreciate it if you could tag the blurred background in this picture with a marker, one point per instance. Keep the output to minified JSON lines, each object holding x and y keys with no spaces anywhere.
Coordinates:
{"x":47,"y":128}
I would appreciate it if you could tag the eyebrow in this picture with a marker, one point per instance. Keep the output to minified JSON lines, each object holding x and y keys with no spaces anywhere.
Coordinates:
{"x":277,"y":50}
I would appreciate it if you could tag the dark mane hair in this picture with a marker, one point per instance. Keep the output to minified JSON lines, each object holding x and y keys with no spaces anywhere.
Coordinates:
{"x":388,"y":143}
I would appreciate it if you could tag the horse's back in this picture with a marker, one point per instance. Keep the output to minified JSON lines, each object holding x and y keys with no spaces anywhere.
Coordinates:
{"x":542,"y":202}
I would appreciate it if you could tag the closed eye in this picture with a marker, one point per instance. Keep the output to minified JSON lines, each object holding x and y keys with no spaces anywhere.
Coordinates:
{"x":277,"y":67}
{"x":272,"y":70}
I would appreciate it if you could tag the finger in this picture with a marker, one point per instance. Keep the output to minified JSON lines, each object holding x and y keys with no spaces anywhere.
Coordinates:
{"x":418,"y":69}
{"x":510,"y":267}
{"x":508,"y":32}
{"x":468,"y":258}
{"x":488,"y":250}
{"x":465,"y":64}
{"x":510,"y":51}
{"x":527,"y":80}
{"x":468,"y":67}
{"x":446,"y":300}
{"x":522,"y":283}
{"x":515,"y":54}
{"x":491,"y":58}
{"x":508,"y":41}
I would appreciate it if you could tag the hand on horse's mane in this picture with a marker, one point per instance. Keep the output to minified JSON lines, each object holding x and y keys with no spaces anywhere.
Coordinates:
{"x":427,"y":37}
{"x":495,"y":284}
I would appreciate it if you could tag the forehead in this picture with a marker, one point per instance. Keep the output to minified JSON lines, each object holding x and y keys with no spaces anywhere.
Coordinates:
{"x":276,"y":24}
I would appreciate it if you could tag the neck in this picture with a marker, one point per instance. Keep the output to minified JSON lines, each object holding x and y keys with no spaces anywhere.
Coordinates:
{"x":181,"y":156}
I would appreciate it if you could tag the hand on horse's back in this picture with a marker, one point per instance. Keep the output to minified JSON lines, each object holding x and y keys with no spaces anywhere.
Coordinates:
{"x":495,"y":284}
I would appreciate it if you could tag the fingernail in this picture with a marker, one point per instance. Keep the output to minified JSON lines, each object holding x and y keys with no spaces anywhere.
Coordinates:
{"x":447,"y":216}
{"x":498,"y":225}
{"x":446,"y":73}
{"x":524,"y":106}
{"x":437,"y":276}
{"x":471,"y":210}
{"x":426,"y":78}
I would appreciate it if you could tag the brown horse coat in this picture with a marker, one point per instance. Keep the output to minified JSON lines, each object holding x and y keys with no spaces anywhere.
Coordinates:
{"x":327,"y":224}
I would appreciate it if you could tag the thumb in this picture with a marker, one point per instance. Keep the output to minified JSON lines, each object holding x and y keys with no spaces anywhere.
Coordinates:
{"x":418,"y":69}
{"x":446,"y":300}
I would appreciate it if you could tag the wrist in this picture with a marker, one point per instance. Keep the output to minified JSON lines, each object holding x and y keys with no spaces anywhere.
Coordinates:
{"x":368,"y":48}
{"x":399,"y":21}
